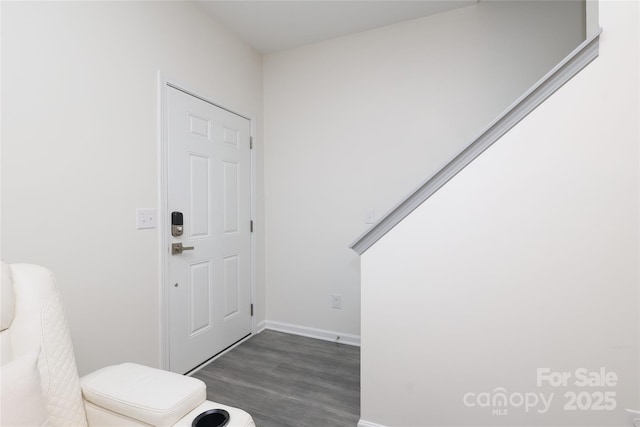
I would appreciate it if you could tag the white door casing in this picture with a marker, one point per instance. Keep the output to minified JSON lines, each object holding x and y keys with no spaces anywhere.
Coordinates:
{"x":209,"y":181}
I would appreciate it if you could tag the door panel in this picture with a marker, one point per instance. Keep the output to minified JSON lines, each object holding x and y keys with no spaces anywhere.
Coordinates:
{"x":199,"y":296}
{"x":231,"y":198}
{"x":209,"y":181}
{"x":231,"y":285}
{"x":199,"y":171}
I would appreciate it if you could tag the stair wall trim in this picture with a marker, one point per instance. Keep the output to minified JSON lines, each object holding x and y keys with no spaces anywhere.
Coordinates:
{"x":571,"y":65}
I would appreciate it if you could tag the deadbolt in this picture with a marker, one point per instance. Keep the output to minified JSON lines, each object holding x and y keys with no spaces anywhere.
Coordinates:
{"x":177,"y":224}
{"x":176,"y":230}
{"x":177,"y":248}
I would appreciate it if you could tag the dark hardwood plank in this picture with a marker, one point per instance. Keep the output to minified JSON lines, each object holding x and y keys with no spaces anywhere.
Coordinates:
{"x":286,"y":380}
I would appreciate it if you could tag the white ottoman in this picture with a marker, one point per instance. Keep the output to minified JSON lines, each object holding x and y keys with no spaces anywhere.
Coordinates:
{"x":136,"y":395}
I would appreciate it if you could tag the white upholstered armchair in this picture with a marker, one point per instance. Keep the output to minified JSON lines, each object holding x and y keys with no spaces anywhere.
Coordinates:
{"x":39,"y":379}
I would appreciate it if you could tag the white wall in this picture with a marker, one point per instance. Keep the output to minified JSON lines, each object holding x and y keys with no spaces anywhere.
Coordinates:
{"x":80,"y":152}
{"x":357,"y":122}
{"x":527,"y":259}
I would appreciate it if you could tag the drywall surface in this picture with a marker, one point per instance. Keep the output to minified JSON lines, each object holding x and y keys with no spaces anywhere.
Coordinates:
{"x":524,"y":265}
{"x":354,"y":124}
{"x":80,"y":152}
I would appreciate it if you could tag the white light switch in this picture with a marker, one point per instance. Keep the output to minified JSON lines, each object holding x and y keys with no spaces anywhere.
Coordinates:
{"x":145,"y":218}
{"x":336,"y":301}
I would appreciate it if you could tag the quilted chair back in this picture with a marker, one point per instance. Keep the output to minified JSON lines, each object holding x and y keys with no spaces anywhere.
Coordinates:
{"x":33,"y":317}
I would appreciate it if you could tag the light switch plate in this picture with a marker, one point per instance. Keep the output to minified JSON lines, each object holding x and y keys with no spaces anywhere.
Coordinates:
{"x":145,"y":218}
{"x":336,"y":301}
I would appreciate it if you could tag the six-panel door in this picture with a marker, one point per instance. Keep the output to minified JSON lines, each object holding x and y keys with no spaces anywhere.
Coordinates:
{"x":209,"y":178}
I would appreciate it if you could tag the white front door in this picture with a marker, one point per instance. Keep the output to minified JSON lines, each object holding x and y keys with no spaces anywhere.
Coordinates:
{"x":209,"y":182}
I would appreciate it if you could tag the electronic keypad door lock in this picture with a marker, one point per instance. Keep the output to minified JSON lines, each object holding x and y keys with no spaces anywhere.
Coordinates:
{"x":177,"y":224}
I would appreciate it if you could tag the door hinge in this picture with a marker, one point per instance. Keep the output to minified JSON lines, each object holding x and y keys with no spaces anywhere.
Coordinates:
{"x":251,"y":226}
{"x":250,"y":143}
{"x":251,"y":310}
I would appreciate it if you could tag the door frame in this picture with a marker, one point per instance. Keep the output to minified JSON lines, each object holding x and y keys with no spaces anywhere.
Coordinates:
{"x":164,"y":83}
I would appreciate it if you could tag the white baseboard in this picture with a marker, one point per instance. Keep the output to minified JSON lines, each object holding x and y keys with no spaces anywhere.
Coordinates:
{"x":305,"y":331}
{"x":363,"y":423}
{"x":261,"y":326}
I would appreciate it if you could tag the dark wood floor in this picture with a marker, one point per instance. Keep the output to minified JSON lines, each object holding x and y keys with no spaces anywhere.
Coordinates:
{"x":286,"y":380}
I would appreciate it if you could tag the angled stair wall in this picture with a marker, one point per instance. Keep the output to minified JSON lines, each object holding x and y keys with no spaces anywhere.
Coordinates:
{"x":527,"y":259}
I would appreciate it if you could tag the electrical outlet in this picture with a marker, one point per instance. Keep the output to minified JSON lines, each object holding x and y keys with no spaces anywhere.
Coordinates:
{"x":336,"y":301}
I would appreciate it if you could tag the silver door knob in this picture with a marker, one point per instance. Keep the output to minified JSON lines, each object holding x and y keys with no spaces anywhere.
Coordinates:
{"x":177,"y":248}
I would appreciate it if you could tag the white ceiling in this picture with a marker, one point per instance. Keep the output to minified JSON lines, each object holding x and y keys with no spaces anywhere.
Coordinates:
{"x":270,"y":26}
